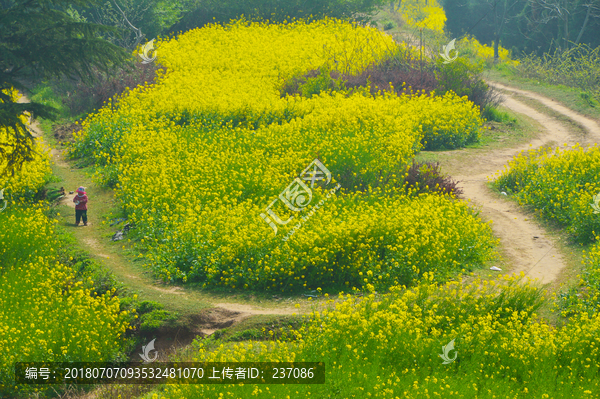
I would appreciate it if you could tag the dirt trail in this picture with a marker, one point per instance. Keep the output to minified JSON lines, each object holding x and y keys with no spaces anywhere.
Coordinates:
{"x":590,"y":125}
{"x":526,"y":246}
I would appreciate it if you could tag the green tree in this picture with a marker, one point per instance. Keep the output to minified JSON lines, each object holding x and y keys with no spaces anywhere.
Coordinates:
{"x":137,"y":19}
{"x":41,"y":39}
{"x":222,"y":11}
{"x":567,"y":15}
{"x":526,"y":25}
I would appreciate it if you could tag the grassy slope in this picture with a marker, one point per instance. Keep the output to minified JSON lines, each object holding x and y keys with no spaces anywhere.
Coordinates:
{"x":568,"y":96}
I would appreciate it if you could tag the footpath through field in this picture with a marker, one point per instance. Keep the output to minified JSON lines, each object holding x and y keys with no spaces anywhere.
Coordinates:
{"x":209,"y":312}
{"x":525,"y":244}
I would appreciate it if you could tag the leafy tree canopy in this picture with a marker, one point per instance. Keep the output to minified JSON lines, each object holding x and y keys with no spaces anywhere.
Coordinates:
{"x":40,"y":39}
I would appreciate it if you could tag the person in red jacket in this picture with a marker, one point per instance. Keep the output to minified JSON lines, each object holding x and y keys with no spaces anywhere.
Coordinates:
{"x":80,"y":201}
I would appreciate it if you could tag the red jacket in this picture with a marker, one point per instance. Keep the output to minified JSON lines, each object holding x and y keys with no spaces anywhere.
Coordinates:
{"x":83,"y":199}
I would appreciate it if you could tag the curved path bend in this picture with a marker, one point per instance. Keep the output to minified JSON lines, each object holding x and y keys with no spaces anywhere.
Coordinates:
{"x":526,"y":245}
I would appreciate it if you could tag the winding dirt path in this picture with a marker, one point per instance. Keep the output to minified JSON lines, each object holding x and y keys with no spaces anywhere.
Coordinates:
{"x":525,"y":244}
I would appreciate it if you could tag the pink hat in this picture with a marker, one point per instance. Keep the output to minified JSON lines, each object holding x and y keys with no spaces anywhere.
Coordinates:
{"x":81,"y":189}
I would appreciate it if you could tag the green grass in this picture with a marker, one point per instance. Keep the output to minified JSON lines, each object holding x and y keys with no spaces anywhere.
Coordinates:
{"x":568,"y":96}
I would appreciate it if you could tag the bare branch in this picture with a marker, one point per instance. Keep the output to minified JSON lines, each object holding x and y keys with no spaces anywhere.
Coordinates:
{"x":138,"y":32}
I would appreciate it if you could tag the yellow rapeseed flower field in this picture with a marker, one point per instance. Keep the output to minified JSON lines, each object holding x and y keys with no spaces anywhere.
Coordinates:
{"x":197,"y":157}
{"x":560,"y":184}
{"x":44,"y":314}
{"x":388,"y":347}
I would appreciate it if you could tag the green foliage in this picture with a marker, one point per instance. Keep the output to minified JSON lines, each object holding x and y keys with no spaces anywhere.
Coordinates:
{"x":33,"y":34}
{"x":491,"y":113}
{"x":76,"y":98}
{"x":246,"y":335}
{"x":590,"y":100}
{"x":526,"y":26}
{"x":387,"y":25}
{"x":155,"y":319}
{"x":136,"y":19}
{"x":578,"y":67}
{"x":148,"y":306}
{"x":277,"y":11}
{"x":464,"y":78}
{"x":320,"y":83}
{"x":44,"y":94}
{"x":151,"y":315}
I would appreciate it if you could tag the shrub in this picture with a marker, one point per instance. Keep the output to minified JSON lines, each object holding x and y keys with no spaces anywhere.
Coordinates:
{"x":464,"y":78}
{"x":249,"y":334}
{"x":403,"y":71}
{"x":155,"y":319}
{"x":577,"y":67}
{"x":313,"y":82}
{"x":492,"y":113}
{"x":83,"y":98}
{"x":427,"y":177}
